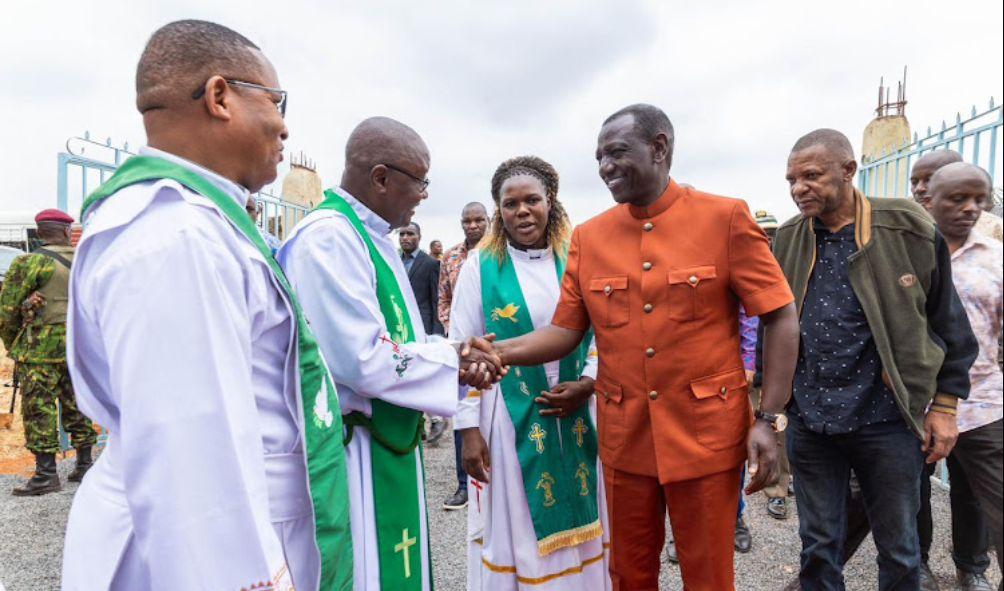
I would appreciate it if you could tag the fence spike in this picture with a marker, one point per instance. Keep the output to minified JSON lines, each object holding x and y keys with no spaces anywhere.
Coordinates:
{"x":125,"y":146}
{"x":87,"y":135}
{"x":929,"y":130}
{"x":974,"y":112}
{"x":915,"y":137}
{"x":958,"y":118}
{"x":944,"y":125}
{"x":991,"y":102}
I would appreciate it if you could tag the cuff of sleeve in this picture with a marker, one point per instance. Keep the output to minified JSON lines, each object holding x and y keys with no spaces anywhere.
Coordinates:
{"x":436,"y":349}
{"x":570,"y":318}
{"x":468,"y":411}
{"x":945,"y":403}
{"x":768,"y":299}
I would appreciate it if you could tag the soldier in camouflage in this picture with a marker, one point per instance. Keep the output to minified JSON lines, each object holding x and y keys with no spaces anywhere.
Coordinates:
{"x":33,"y":307}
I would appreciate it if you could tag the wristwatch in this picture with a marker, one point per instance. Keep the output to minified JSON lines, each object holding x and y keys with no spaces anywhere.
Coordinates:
{"x":778,"y":421}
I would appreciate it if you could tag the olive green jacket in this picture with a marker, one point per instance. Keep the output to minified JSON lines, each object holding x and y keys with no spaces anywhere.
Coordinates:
{"x":901,"y":274}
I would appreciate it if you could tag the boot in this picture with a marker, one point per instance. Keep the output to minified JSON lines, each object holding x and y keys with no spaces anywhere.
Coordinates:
{"x":84,"y":464}
{"x":45,"y":479}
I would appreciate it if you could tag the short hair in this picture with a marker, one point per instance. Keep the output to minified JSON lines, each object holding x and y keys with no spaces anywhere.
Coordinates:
{"x":50,"y":229}
{"x":181,"y":55}
{"x":473,"y":205}
{"x":831,"y":139}
{"x":943,"y":157}
{"x":649,"y":121}
{"x":418,"y":229}
{"x":959,"y":165}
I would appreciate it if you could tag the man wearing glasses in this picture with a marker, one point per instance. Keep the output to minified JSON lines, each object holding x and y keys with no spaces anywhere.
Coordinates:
{"x":354,"y":287}
{"x":186,"y":343}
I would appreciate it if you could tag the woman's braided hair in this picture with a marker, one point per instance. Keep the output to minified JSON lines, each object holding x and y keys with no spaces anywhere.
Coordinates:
{"x":559,"y":228}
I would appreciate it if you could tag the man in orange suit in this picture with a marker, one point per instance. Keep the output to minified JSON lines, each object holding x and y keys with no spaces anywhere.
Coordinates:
{"x":660,"y":277}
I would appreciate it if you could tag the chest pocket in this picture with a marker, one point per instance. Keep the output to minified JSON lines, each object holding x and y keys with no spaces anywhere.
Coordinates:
{"x":608,"y":301}
{"x":688,"y":287}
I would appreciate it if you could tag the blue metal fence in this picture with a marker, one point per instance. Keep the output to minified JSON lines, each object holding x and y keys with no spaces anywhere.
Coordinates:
{"x":978,"y":138}
{"x":87,"y":163}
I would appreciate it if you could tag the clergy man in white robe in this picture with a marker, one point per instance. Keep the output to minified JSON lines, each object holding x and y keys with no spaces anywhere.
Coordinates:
{"x":345,"y":267}
{"x":183,"y":344}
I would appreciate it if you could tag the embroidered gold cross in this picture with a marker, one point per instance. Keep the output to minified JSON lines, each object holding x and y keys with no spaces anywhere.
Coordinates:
{"x":579,"y":429}
{"x":404,"y":546}
{"x":545,"y":483}
{"x":538,"y":435}
{"x":583,"y":475}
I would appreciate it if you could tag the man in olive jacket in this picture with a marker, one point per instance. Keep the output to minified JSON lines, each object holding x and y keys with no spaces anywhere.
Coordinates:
{"x":884,"y":359}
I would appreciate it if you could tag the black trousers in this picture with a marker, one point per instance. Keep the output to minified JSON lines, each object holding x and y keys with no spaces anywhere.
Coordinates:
{"x":978,"y":454}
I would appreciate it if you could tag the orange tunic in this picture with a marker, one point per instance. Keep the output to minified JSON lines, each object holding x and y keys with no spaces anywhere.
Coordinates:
{"x":661,"y":286}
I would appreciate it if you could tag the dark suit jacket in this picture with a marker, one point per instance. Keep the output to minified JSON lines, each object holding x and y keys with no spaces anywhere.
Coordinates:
{"x":424,"y":277}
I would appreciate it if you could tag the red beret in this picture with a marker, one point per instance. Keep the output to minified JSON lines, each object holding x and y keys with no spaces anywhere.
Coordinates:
{"x":53,"y":215}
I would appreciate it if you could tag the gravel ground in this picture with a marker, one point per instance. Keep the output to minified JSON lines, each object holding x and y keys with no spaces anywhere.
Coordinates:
{"x":31,"y":539}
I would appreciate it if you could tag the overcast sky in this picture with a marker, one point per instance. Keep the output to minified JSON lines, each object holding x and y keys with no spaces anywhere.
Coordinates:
{"x":740,"y":80}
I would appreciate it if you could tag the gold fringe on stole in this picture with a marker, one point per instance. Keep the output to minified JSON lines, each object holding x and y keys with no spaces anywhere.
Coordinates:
{"x":569,"y":537}
{"x":573,"y":570}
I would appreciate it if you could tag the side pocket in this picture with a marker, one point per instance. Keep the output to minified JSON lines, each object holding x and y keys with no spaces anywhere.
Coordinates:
{"x":610,"y":412}
{"x":721,"y":409}
{"x":610,"y":296}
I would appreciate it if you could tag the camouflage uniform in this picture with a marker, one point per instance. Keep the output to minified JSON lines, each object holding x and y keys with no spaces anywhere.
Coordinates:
{"x":39,"y":348}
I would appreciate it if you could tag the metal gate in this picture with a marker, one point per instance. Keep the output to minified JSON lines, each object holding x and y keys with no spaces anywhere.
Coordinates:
{"x":87,"y":163}
{"x":978,"y":138}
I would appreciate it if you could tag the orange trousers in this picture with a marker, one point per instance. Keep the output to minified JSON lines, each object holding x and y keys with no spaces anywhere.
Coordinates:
{"x":703,"y":514}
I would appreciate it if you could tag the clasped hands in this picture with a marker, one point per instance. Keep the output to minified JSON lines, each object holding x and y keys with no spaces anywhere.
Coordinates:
{"x":480,"y":364}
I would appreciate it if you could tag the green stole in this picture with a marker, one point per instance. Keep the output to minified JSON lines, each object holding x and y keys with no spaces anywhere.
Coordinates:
{"x":557,"y":456}
{"x":394,"y":432}
{"x":326,"y":470}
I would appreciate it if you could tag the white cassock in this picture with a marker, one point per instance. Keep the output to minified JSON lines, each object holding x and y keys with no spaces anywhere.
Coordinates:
{"x":330,"y":269}
{"x":502,"y":546}
{"x":180,"y":342}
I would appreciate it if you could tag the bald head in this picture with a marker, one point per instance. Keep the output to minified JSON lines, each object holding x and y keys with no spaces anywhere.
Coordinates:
{"x":382,"y":140}
{"x":181,"y":56}
{"x":830,"y":140}
{"x":924,"y":167}
{"x":958,"y":193}
{"x":386,"y":164}
{"x":958,"y":173}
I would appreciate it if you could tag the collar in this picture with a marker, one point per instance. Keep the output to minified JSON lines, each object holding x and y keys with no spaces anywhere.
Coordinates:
{"x":670,"y":196}
{"x":530,"y":255}
{"x":237,"y":192}
{"x":862,"y":220}
{"x":366,"y":215}
{"x":976,"y":239}
{"x":410,"y":255}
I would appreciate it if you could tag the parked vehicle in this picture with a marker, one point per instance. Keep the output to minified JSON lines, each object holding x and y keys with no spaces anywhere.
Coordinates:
{"x":7,"y":256}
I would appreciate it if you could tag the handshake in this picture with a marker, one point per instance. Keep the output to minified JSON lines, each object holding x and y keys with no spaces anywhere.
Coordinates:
{"x":480,"y":363}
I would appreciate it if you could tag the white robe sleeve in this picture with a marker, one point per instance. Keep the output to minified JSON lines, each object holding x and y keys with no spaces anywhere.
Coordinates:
{"x":333,"y":276}
{"x":176,"y":336}
{"x":592,"y":361}
{"x":467,"y":320}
